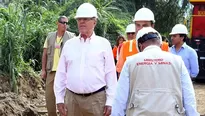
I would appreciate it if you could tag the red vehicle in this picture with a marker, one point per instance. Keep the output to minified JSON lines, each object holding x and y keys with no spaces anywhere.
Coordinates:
{"x":197,"y":34}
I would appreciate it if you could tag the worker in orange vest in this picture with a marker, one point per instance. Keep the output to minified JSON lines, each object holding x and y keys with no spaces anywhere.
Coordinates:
{"x":128,"y":47}
{"x":165,"y":45}
{"x":144,"y":17}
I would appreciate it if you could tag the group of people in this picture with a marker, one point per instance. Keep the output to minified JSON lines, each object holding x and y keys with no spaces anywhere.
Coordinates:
{"x":81,"y":75}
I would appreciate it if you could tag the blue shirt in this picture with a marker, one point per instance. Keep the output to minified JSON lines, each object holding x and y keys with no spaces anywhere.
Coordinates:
{"x":190,"y":58}
{"x":121,"y":97}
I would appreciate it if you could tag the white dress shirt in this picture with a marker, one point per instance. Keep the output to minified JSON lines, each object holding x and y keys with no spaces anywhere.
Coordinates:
{"x":121,"y":98}
{"x":85,"y":66}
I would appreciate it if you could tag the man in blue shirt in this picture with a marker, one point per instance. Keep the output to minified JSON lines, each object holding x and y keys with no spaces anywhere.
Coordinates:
{"x":189,"y":56}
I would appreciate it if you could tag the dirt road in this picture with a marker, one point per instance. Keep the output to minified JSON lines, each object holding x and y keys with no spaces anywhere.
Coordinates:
{"x":200,"y":97}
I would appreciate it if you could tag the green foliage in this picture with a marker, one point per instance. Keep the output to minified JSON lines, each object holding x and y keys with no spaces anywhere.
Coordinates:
{"x":23,"y":29}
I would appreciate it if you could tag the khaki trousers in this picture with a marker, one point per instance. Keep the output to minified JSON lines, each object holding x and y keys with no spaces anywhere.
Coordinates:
{"x":50,"y":97}
{"x":92,"y":105}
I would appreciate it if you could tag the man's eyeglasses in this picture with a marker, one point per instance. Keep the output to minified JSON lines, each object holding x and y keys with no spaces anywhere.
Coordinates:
{"x":132,"y":33}
{"x":63,"y":22}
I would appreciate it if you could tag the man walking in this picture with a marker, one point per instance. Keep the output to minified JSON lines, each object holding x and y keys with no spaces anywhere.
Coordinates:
{"x":154,"y":82}
{"x":144,"y":17}
{"x":86,"y":72}
{"x":128,"y":47}
{"x":189,"y":56}
{"x":51,"y":54}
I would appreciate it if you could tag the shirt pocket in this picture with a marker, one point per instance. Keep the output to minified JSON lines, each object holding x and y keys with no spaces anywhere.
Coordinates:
{"x":158,"y":102}
{"x":95,"y":59}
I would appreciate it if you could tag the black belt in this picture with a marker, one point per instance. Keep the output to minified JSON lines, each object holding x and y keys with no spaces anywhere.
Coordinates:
{"x":88,"y":94}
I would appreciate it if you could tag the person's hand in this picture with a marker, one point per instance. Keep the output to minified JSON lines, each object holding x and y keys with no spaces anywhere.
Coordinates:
{"x":107,"y":110}
{"x":62,"y":109}
{"x":43,"y":74}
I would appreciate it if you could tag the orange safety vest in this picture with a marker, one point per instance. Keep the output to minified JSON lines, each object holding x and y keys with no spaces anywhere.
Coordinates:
{"x":114,"y":51}
{"x":128,"y":48}
{"x":165,"y":46}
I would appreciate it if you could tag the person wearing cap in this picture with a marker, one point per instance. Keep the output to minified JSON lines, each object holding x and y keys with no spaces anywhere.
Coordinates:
{"x":178,"y":37}
{"x":144,"y":17}
{"x":154,"y":82}
{"x":51,"y":54}
{"x":86,"y":75}
{"x":128,"y":48}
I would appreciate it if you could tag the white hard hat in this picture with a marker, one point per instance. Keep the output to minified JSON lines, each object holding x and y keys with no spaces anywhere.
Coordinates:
{"x":179,"y":29}
{"x":130,"y":28}
{"x":146,"y":30}
{"x":144,"y":14}
{"x":86,"y":10}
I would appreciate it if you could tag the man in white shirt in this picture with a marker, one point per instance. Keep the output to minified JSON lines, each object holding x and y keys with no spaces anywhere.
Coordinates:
{"x":86,"y":74}
{"x":154,"y":82}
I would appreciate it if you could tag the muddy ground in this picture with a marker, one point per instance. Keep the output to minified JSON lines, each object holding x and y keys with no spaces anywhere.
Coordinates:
{"x":199,"y":88}
{"x":30,"y":100}
{"x":26,"y":103}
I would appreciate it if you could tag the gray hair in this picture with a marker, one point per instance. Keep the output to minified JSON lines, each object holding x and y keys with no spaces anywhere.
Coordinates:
{"x":62,"y":17}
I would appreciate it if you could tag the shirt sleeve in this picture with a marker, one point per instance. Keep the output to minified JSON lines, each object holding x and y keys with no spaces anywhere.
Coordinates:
{"x":121,"y":60}
{"x":45,"y":43}
{"x":194,"y":64}
{"x":121,"y":97}
{"x":188,"y":94}
{"x":110,"y":76}
{"x":60,"y":78}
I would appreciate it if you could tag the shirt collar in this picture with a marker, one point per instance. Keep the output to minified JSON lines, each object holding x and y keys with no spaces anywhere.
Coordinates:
{"x":183,"y":45}
{"x":87,"y":39}
{"x":152,"y":47}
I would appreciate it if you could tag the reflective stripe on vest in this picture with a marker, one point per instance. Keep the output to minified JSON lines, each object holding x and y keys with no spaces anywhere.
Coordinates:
{"x":130,"y":46}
